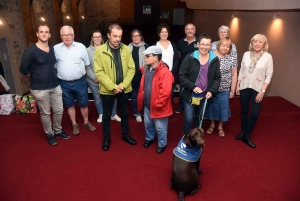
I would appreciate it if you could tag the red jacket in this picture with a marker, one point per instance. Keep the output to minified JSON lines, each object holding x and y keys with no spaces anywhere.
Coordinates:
{"x":161,"y":105}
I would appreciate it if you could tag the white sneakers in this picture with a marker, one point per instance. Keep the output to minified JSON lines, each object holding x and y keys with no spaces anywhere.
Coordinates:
{"x":116,"y":118}
{"x":99,"y":120}
{"x":138,"y":119}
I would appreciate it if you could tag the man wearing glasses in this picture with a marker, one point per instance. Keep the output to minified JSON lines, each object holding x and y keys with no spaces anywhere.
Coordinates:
{"x":155,"y":95}
{"x":71,"y":60}
{"x":114,"y":68}
{"x":186,"y":46}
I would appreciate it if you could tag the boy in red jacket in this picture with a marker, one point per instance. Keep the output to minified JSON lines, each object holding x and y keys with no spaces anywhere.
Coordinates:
{"x":154,"y":97}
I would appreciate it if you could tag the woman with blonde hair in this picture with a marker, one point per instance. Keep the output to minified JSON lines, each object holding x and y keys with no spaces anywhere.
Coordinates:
{"x":219,"y":109}
{"x":254,"y":78}
{"x":93,"y":82}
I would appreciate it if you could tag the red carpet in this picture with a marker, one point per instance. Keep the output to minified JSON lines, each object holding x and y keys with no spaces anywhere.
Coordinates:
{"x":77,"y":169}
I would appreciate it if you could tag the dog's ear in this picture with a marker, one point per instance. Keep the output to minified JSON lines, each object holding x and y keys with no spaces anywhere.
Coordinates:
{"x":186,"y":140}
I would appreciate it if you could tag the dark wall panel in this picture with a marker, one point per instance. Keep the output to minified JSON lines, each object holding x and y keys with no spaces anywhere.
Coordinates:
{"x":148,"y":19}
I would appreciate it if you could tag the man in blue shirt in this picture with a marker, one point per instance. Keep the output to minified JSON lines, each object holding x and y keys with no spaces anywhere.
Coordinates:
{"x":71,"y":60}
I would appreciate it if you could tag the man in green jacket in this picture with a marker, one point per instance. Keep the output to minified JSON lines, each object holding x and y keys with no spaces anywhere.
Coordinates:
{"x":114,"y":68}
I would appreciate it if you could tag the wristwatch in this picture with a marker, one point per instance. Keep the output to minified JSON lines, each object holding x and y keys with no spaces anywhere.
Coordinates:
{"x":263,"y":90}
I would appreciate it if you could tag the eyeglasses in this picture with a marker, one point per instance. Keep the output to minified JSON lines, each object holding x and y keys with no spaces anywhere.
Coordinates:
{"x":136,"y":36}
{"x":190,"y":29}
{"x":97,"y":37}
{"x":205,"y":45}
{"x":149,"y":55}
{"x":66,"y":35}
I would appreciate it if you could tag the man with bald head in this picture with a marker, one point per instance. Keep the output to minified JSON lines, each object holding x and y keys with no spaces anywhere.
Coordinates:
{"x":71,"y":60}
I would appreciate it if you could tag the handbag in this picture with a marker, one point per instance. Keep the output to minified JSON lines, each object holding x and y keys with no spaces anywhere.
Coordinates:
{"x":25,"y":104}
{"x":196,"y":99}
{"x":6,"y":104}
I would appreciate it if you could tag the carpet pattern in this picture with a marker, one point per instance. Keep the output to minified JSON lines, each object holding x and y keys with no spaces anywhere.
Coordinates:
{"x":77,"y":169}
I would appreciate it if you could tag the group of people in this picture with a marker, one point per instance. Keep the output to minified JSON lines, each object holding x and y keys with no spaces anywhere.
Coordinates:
{"x":112,"y":70}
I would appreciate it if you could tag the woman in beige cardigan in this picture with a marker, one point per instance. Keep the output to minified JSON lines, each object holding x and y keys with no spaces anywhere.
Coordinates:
{"x":254,"y":77}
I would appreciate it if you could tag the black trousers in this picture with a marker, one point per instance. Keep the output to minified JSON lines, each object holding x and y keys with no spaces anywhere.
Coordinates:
{"x":107,"y":104}
{"x":247,"y":96}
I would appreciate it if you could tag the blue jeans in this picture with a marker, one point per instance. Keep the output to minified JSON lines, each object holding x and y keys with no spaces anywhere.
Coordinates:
{"x":189,"y":112}
{"x":98,"y":101}
{"x":134,"y":101}
{"x":160,"y":125}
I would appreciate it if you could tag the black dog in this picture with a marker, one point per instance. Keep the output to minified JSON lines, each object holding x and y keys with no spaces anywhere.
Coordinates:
{"x":186,"y":162}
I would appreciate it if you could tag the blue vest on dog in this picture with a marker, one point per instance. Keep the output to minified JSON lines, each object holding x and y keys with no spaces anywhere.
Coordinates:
{"x":187,"y":153}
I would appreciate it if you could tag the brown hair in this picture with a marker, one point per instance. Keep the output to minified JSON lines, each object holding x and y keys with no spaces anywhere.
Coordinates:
{"x":114,"y":26}
{"x":96,"y":31}
{"x":161,"y":26}
{"x":204,"y":35}
{"x":41,"y":25}
{"x":137,"y":30}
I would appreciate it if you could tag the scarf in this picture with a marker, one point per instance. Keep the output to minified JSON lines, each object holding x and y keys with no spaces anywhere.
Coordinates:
{"x":254,"y":60}
{"x":141,"y":46}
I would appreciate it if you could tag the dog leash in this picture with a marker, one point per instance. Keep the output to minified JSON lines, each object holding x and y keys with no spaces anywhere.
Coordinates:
{"x":203,"y":112}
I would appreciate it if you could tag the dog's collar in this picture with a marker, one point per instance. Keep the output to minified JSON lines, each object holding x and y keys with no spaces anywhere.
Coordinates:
{"x":187,"y":153}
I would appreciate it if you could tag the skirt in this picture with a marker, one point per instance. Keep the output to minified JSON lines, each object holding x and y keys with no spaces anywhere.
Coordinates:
{"x":219,"y":109}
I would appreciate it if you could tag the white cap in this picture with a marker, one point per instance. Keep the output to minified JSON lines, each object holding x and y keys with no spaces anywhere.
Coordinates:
{"x":152,"y":50}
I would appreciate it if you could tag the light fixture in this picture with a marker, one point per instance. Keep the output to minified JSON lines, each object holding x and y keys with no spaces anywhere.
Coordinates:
{"x":233,"y":16}
{"x":275,"y":16}
{"x":68,"y":17}
{"x":1,"y":22}
{"x":82,"y":17}
{"x":43,"y":19}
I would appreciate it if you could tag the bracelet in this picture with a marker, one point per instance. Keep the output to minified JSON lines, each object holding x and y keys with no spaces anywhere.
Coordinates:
{"x":232,"y":92}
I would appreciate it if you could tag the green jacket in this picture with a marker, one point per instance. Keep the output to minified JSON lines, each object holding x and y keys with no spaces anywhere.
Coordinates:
{"x":105,"y":69}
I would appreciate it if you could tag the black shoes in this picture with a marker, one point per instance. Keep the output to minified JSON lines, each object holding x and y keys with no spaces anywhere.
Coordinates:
{"x":51,"y":140}
{"x":129,"y":140}
{"x":147,"y":143}
{"x":246,"y":139}
{"x":105,"y":144}
{"x":159,"y":150}
{"x":63,"y":135}
{"x":239,"y":136}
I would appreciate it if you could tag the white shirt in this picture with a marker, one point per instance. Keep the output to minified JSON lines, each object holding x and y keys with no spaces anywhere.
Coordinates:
{"x":71,"y":62}
{"x":262,"y":73}
{"x":167,"y":54}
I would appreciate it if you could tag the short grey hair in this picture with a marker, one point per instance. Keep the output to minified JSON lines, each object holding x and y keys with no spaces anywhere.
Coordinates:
{"x":224,"y":27}
{"x":190,"y":24}
{"x":66,"y":27}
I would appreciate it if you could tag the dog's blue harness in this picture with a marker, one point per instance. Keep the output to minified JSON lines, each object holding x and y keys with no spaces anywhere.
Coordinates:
{"x":187,"y":153}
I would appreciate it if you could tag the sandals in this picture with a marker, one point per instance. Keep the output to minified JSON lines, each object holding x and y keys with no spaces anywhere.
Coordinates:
{"x":221,"y":132}
{"x":210,"y":130}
